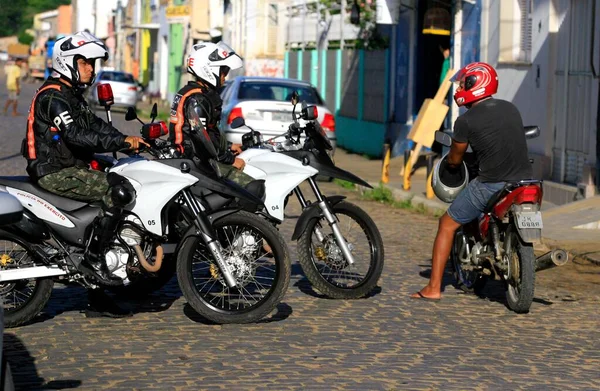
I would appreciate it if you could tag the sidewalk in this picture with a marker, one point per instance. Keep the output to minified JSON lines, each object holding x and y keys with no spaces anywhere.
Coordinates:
{"x":574,"y":227}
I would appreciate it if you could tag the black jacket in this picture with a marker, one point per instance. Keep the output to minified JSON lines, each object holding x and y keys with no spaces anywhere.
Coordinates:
{"x":62,"y":131}
{"x":208,"y":105}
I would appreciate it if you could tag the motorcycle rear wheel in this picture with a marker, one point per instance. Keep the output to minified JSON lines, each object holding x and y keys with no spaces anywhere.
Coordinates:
{"x":521,"y":276}
{"x":327,"y":269}
{"x":22,"y":299}
{"x":468,"y":281}
{"x":265,"y":278}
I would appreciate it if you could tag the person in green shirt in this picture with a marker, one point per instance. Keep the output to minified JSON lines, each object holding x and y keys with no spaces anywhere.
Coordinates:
{"x":445,"y":49}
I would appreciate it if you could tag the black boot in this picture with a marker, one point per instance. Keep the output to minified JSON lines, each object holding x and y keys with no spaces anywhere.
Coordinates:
{"x":95,"y":261}
{"x":100,"y":304}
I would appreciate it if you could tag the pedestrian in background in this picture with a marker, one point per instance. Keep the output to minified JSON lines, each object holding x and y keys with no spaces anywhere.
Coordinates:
{"x":13,"y":85}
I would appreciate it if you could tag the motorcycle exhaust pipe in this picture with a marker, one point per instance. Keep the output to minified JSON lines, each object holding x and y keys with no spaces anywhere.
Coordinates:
{"x":551,"y":259}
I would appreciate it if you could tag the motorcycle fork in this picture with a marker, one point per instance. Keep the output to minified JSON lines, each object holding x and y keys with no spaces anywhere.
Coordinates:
{"x":304,"y":204}
{"x":208,"y":234}
{"x":333,"y":222}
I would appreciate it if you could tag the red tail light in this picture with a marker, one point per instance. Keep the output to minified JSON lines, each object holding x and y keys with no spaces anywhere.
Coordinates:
{"x":531,"y":194}
{"x":235,"y":112}
{"x":328,"y":123}
{"x":94,"y":165}
{"x":105,"y":95}
{"x":132,"y":88}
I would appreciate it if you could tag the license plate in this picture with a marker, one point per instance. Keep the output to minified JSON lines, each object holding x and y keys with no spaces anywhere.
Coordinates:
{"x":281,"y":117}
{"x":529,"y":220}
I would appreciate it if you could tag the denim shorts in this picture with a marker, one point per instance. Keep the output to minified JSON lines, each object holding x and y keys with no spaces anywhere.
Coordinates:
{"x":471,"y":201}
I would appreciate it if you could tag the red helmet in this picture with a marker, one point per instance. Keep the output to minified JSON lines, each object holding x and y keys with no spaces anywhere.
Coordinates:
{"x":479,"y":80}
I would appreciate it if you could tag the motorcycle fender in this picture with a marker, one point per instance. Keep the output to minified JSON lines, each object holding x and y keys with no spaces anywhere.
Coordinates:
{"x":214,"y":216}
{"x":530,"y":235}
{"x":311,"y":212}
{"x":336,"y":172}
{"x":30,"y":227}
{"x":220,"y":213}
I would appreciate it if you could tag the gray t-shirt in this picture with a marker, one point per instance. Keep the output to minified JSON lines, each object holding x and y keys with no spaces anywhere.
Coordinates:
{"x":494,"y":129}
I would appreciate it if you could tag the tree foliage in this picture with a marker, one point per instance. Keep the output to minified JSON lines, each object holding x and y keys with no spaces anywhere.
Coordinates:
{"x":16,"y":16}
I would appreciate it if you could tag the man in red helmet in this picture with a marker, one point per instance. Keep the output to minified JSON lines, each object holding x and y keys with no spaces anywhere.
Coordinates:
{"x":494,"y":129}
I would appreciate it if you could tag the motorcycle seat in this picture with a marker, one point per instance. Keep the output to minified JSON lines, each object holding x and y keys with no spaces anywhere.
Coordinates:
{"x":24,"y":183}
{"x":497,"y":196}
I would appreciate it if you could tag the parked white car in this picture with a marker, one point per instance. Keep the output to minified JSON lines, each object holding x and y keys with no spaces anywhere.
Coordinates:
{"x":265,"y":105}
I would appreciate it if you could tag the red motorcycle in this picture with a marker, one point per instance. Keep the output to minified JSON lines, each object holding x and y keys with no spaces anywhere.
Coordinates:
{"x":499,"y":244}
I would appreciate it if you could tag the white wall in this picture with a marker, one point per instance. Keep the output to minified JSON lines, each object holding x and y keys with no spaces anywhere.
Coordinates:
{"x":85,"y":15}
{"x":519,"y":83}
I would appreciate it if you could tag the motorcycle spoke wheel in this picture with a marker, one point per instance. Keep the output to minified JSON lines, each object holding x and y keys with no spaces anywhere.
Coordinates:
{"x":258,"y":260}
{"x":22,"y":299}
{"x":324,"y":263}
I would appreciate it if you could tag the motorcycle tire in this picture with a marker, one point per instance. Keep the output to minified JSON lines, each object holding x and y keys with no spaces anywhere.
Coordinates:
{"x":40,"y":291}
{"x":315,"y":273}
{"x":189,"y":277}
{"x":469,"y":282}
{"x":520,"y":283}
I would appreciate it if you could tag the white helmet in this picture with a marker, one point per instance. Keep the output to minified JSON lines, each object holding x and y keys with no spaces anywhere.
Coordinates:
{"x":72,"y":47}
{"x":446,"y":185}
{"x":208,"y":60}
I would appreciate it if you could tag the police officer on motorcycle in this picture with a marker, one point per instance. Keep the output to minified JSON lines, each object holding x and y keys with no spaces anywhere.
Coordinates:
{"x":209,"y":64}
{"x":63,"y":134}
{"x":494,"y":130}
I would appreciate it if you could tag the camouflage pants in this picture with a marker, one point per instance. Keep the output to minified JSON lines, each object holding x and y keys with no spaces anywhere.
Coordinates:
{"x":78,"y":183}
{"x":238,"y":176}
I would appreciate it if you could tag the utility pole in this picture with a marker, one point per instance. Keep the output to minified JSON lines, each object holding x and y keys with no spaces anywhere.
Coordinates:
{"x":95,"y":8}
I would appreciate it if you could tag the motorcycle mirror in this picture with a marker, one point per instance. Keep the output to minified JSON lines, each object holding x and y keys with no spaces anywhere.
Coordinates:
{"x":532,"y":131}
{"x":105,"y":95}
{"x":131,"y":114}
{"x":443,"y":138}
{"x":154,"y":112}
{"x":294,"y":98}
{"x":237,"y":122}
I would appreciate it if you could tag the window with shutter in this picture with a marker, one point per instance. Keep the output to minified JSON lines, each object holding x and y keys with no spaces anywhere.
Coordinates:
{"x":526,"y":8}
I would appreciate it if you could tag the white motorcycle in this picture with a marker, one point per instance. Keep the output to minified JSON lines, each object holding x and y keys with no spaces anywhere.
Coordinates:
{"x":222,"y":267}
{"x":344,"y":261}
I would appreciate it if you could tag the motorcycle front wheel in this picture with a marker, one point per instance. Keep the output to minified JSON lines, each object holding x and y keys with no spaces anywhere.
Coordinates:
{"x":324,"y":264}
{"x":22,"y":299}
{"x":520,"y":279}
{"x":259,"y":260}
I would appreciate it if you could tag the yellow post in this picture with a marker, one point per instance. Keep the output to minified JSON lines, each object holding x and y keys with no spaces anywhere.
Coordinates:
{"x":429,"y":190}
{"x":385,"y":168}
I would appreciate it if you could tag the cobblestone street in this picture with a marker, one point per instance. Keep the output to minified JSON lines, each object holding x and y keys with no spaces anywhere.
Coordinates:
{"x":383,"y":342}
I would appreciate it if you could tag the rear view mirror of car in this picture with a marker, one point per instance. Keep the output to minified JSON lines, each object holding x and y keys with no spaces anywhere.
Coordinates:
{"x":237,"y":122}
{"x":443,"y":138}
{"x":131,"y":114}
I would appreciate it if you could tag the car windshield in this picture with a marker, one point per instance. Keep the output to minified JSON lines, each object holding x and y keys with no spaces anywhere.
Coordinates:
{"x":117,"y":76}
{"x":278,"y":92}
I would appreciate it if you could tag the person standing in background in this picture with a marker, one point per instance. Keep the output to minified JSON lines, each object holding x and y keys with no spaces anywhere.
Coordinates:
{"x":13,"y":84}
